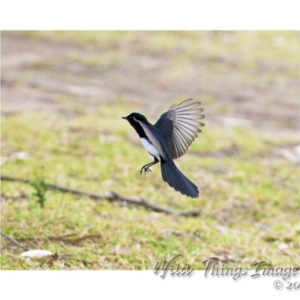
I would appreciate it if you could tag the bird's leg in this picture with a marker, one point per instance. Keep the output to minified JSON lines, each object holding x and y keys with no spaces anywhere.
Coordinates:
{"x":146,"y":168}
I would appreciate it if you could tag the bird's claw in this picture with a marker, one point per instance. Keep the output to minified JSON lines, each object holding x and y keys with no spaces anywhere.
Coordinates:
{"x":145,"y":169}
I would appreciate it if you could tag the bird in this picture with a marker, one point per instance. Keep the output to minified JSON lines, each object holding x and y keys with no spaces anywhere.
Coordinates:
{"x":168,"y":139}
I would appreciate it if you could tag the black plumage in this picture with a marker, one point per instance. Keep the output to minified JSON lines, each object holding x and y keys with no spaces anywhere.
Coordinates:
{"x":169,"y":139}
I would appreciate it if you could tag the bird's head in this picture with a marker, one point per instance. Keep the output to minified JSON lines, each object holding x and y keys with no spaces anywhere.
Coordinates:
{"x":135,"y":118}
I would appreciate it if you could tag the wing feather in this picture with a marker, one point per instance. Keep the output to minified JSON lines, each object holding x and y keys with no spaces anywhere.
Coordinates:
{"x":180,"y":125}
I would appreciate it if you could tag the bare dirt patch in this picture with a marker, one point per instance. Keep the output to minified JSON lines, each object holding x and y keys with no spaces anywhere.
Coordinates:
{"x":39,"y":73}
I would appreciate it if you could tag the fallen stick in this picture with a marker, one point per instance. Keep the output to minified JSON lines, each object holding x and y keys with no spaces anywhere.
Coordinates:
{"x":113,"y":196}
{"x":14,"y":241}
{"x":64,"y":256}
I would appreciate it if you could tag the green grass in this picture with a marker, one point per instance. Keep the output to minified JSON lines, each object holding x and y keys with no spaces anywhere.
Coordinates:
{"x":249,"y":201}
{"x":248,"y":211}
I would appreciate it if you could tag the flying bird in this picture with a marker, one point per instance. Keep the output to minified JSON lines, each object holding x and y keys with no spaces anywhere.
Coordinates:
{"x":168,"y":139}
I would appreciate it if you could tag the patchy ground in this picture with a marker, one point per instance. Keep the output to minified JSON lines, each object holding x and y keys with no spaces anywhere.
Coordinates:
{"x":63,"y":94}
{"x":249,"y":75}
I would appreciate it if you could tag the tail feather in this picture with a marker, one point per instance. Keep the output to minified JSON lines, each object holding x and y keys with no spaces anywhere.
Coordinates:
{"x":173,"y":176}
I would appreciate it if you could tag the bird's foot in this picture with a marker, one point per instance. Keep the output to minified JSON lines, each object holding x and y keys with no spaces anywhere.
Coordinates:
{"x":145,"y":169}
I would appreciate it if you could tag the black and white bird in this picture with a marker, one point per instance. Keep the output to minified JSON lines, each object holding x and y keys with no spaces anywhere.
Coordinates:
{"x":168,"y":139}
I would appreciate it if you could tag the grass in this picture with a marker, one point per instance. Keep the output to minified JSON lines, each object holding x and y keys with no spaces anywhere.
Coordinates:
{"x":249,"y":201}
{"x":247,"y":205}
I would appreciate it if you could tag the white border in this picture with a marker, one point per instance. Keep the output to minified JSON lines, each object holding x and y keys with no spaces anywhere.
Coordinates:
{"x":135,"y":285}
{"x":154,"y":15}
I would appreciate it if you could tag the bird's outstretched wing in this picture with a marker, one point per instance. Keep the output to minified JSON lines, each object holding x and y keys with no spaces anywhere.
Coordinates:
{"x":180,"y":125}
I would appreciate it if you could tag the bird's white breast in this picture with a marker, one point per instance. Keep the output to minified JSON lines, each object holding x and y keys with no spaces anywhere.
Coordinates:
{"x":150,"y":148}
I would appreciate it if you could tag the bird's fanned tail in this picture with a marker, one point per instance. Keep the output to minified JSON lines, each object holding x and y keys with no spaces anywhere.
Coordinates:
{"x":173,"y":176}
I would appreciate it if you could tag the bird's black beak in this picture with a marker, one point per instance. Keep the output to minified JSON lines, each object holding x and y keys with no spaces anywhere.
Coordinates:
{"x":124,"y":118}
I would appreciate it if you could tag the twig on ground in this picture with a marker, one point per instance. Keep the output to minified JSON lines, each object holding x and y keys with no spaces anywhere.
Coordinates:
{"x":14,"y":241}
{"x":63,"y":256}
{"x":113,"y":196}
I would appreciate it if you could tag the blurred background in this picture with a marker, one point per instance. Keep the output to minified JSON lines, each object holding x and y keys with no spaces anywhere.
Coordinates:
{"x":63,"y":96}
{"x":249,"y":75}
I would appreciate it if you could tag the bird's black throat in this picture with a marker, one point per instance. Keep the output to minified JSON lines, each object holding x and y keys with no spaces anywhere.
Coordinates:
{"x":138,"y":128}
{"x":134,"y":119}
